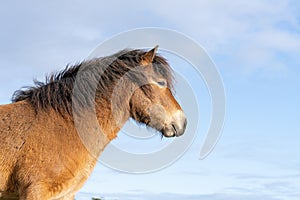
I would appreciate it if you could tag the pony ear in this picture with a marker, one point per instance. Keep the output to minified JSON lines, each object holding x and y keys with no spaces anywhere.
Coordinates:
{"x":148,"y":57}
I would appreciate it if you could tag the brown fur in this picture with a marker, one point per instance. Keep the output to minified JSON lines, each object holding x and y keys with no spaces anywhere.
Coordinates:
{"x":42,"y":156}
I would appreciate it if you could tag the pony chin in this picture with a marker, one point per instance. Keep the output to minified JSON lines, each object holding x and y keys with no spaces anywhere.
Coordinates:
{"x":168,"y":133}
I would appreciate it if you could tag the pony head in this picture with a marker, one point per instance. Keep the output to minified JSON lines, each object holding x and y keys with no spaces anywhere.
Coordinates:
{"x":152,"y":102}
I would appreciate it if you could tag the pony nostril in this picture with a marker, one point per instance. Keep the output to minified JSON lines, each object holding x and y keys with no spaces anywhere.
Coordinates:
{"x":174,"y":129}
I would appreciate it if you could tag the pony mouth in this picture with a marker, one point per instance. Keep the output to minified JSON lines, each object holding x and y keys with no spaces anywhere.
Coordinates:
{"x":174,"y":130}
{"x":167,"y":130}
{"x":164,"y":130}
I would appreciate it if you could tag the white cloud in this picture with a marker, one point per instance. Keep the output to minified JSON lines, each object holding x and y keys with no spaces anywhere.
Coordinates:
{"x":246,"y":34}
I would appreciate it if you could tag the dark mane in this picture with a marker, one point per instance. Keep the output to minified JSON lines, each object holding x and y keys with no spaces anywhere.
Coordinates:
{"x":96,"y":74}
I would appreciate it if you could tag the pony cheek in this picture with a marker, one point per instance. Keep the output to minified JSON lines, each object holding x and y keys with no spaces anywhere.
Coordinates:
{"x":138,"y":108}
{"x":158,"y":117}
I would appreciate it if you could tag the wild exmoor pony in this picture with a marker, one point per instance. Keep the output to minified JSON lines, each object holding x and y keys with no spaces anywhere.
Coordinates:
{"x":42,"y":156}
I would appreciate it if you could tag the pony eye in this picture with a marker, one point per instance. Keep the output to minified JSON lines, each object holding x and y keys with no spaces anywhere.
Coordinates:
{"x":162,"y":83}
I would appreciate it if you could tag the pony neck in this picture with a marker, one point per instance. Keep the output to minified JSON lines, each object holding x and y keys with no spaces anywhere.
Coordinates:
{"x":113,"y":110}
{"x":98,"y":126}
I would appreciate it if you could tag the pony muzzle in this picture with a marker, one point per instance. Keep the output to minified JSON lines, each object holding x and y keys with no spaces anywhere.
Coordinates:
{"x":177,"y":126}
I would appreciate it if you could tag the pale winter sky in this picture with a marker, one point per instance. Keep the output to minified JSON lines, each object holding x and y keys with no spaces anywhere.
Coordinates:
{"x":255,"y":45}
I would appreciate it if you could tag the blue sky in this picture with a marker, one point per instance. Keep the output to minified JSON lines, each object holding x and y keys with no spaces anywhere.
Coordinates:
{"x":255,"y":46}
